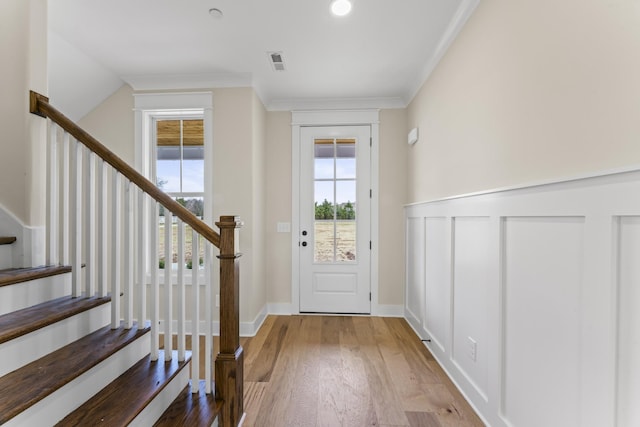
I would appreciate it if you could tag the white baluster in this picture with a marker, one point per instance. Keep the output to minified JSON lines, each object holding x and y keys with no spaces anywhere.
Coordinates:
{"x":142,"y":258}
{"x":168,"y":286}
{"x":76,"y":220}
{"x":208,"y":345}
{"x":128,"y":255}
{"x":103,"y":262}
{"x":181,"y":292}
{"x":195,"y":317}
{"x":155,"y":282}
{"x":52,"y":201}
{"x":90,"y":211}
{"x":116,"y":230}
{"x":64,"y":200}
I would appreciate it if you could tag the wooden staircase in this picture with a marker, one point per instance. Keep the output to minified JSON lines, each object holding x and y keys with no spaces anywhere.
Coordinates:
{"x":72,"y":350}
{"x":64,"y":365}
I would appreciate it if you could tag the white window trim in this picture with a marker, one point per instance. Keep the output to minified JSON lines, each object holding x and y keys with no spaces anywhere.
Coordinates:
{"x":333,"y":118}
{"x":150,"y":105}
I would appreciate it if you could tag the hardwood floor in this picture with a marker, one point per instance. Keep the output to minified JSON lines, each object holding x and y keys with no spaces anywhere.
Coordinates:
{"x":346,"y":371}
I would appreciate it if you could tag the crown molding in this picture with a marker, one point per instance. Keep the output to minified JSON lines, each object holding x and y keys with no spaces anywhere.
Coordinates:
{"x":188,"y":81}
{"x":460,"y":18}
{"x":334,"y":104}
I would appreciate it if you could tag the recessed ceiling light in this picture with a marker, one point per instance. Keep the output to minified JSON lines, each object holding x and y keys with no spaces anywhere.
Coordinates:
{"x":340,"y":7}
{"x":216,"y":13}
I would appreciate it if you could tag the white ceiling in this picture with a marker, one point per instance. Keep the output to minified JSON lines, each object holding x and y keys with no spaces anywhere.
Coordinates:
{"x":378,"y":56}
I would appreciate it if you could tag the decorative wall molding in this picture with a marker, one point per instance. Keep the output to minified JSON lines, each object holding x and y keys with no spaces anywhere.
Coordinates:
{"x":513,"y":287}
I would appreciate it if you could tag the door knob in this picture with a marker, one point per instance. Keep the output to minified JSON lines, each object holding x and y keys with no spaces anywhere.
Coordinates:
{"x":304,"y":232}
{"x":304,"y":243}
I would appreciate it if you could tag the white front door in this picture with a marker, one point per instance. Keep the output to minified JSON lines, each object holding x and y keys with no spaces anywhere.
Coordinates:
{"x":335,"y":219}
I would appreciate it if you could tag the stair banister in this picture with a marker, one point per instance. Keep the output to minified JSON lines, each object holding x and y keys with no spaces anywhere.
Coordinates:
{"x":229,"y":361}
{"x":40,"y":106}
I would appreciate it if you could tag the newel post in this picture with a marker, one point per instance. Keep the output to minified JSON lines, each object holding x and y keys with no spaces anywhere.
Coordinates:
{"x":229,"y":384}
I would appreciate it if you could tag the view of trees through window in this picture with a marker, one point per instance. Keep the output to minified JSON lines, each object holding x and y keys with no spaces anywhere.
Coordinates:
{"x":326,"y":210}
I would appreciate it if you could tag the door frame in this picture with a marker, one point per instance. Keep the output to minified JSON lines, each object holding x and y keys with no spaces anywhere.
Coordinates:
{"x":319,"y":118}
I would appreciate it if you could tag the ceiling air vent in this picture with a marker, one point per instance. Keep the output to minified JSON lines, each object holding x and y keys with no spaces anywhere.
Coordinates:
{"x":277,"y":61}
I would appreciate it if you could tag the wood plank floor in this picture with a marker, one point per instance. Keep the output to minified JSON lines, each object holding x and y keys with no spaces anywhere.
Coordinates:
{"x":346,"y":371}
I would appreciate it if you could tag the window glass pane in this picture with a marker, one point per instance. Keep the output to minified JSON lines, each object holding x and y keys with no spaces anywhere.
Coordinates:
{"x":195,"y":205}
{"x":168,"y":132}
{"x":324,"y":159}
{"x":346,"y":148}
{"x":193,"y":132}
{"x":324,"y":232}
{"x":323,"y":169}
{"x":346,"y":159}
{"x":324,"y":198}
{"x":345,"y":168}
{"x":345,"y":192}
{"x":323,"y":149}
{"x":193,"y":176}
{"x":345,"y":241}
{"x":168,"y":175}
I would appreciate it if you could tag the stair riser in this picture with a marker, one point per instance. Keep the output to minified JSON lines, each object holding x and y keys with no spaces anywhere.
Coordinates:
{"x":26,"y":294}
{"x":56,"y":406}
{"x":21,"y":351}
{"x":161,"y":402}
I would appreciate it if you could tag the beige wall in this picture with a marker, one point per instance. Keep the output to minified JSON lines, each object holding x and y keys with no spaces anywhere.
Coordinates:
{"x":23,"y":49}
{"x":393,"y":195}
{"x":258,"y":295}
{"x":278,"y":255}
{"x":112,"y":123}
{"x":529,"y":91}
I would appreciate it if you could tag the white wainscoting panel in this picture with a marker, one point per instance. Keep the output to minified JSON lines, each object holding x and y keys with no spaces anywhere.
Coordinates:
{"x":629,"y":322}
{"x":531,"y":298}
{"x":541,"y":321}
{"x":415,"y":271}
{"x":471,"y":277}
{"x":437,"y":280}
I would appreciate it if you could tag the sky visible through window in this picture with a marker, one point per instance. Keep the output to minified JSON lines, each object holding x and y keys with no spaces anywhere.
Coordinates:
{"x":192,"y":175}
{"x":335,"y":165}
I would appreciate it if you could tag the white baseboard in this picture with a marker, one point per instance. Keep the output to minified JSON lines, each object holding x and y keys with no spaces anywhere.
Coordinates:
{"x":282,"y":309}
{"x":249,"y":329}
{"x":388,"y":310}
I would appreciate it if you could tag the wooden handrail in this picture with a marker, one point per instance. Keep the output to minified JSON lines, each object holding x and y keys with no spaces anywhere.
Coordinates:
{"x":39,"y":105}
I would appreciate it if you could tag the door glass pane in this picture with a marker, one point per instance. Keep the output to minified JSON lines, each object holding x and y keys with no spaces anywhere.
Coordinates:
{"x":324,"y":159}
{"x":346,"y":158}
{"x":345,"y":241}
{"x":335,"y":200}
{"x":324,"y":233}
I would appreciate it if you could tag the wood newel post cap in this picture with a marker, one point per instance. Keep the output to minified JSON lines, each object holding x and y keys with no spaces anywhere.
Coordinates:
{"x":229,"y":221}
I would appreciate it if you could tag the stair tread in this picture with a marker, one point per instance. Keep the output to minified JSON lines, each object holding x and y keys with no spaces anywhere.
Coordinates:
{"x":123,"y":399}
{"x":191,"y":409}
{"x":4,"y":240}
{"x":27,"y":320}
{"x":12,"y":276}
{"x":33,"y":382}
